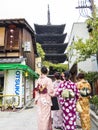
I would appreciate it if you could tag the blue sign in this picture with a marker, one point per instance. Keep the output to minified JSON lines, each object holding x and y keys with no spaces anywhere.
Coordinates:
{"x":17,"y":82}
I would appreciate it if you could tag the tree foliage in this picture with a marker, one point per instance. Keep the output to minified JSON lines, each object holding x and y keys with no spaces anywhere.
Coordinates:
{"x":85,"y":48}
{"x":40,"y":51}
{"x":91,"y":76}
{"x":58,"y":67}
{"x":88,"y":47}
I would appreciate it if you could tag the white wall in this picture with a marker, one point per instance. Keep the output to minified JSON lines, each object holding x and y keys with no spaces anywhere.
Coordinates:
{"x":79,"y":30}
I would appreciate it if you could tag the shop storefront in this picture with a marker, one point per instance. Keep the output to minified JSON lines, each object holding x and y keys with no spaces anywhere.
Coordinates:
{"x":17,"y":83}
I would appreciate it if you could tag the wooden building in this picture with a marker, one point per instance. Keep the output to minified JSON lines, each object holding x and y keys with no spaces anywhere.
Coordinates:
{"x":17,"y":61}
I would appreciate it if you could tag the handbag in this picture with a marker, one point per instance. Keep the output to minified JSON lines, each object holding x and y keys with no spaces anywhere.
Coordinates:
{"x":55,"y":105}
{"x":78,"y":107}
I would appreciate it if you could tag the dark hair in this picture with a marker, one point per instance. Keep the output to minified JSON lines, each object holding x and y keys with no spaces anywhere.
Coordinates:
{"x":44,"y":70}
{"x":62,"y":76}
{"x":67,"y":75}
{"x":80,"y":76}
{"x":57,"y":75}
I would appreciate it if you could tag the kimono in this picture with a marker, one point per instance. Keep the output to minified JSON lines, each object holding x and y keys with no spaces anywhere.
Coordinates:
{"x":43,"y":103}
{"x":84,"y":101}
{"x":68,"y":105}
{"x":57,"y":114}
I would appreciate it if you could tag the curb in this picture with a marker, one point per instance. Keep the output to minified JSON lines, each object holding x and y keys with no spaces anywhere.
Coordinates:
{"x":28,"y":105}
{"x":94,"y":117}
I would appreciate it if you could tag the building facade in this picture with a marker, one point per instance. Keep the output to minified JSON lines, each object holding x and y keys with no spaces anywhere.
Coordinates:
{"x":17,"y":62}
{"x":79,"y":30}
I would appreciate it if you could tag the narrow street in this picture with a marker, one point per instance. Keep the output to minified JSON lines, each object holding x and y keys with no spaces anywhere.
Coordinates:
{"x":22,"y":120}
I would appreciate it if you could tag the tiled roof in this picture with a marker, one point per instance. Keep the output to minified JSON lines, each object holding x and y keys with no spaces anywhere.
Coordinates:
{"x":54,"y":29}
{"x":22,"y":22}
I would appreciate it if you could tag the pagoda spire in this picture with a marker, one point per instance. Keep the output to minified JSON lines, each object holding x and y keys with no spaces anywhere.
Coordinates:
{"x":49,"y":23}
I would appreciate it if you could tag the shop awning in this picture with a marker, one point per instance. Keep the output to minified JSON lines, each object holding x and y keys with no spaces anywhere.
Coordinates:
{"x":25,"y":68}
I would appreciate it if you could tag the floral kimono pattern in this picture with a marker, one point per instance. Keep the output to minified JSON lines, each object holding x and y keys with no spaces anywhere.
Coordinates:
{"x":84,"y":101}
{"x":43,"y":100}
{"x":68,"y":105}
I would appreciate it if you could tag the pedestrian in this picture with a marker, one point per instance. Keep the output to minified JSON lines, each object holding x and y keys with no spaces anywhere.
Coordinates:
{"x":62,"y":76}
{"x":57,"y":114}
{"x":68,"y":96}
{"x":44,"y":91}
{"x":85,"y":90}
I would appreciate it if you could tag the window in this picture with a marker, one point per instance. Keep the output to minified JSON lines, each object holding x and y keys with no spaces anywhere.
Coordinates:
{"x":12,"y":38}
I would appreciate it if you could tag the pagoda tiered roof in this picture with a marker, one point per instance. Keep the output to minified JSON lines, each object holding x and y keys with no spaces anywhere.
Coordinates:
{"x":49,"y":29}
{"x":52,"y":38}
{"x":45,"y":38}
{"x":54,"y":48}
{"x":56,"y":58}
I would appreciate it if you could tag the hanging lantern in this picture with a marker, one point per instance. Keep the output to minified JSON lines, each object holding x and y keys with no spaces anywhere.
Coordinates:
{"x":11,"y":31}
{"x":26,"y":74}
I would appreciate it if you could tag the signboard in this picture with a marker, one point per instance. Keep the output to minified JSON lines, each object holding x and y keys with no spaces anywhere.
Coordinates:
{"x":13,"y":85}
{"x":27,"y":46}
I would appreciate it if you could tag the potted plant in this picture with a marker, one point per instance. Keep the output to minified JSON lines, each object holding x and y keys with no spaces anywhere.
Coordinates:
{"x":94,"y":102}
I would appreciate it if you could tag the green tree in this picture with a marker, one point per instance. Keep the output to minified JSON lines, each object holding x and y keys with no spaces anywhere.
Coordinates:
{"x":89,"y":47}
{"x":58,"y":67}
{"x":40,"y":51}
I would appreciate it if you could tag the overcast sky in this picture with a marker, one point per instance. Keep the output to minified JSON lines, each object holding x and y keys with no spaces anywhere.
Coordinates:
{"x":35,"y":11}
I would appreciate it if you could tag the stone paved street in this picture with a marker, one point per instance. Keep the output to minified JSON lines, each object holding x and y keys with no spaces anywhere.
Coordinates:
{"x":22,"y":120}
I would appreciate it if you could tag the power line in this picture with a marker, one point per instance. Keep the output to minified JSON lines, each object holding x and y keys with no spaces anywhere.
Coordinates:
{"x":84,"y":7}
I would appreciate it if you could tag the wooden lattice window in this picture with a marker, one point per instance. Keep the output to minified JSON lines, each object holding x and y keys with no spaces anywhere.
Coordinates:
{"x":12,"y":38}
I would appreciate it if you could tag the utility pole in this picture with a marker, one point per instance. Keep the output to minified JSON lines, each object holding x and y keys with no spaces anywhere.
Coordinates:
{"x":83,"y":5}
{"x":92,"y":7}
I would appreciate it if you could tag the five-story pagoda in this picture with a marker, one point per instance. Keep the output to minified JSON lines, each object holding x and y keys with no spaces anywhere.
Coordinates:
{"x":52,"y":38}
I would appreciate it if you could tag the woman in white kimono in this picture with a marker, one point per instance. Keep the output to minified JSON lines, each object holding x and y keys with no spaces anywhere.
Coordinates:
{"x":57,"y":114}
{"x":44,"y":91}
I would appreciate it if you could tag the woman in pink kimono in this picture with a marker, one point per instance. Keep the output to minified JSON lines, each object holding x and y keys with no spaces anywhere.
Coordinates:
{"x":44,"y":91}
{"x":68,"y":96}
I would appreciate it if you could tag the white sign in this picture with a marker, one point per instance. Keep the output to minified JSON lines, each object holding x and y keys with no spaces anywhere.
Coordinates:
{"x":27,"y":46}
{"x":13,"y":85}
